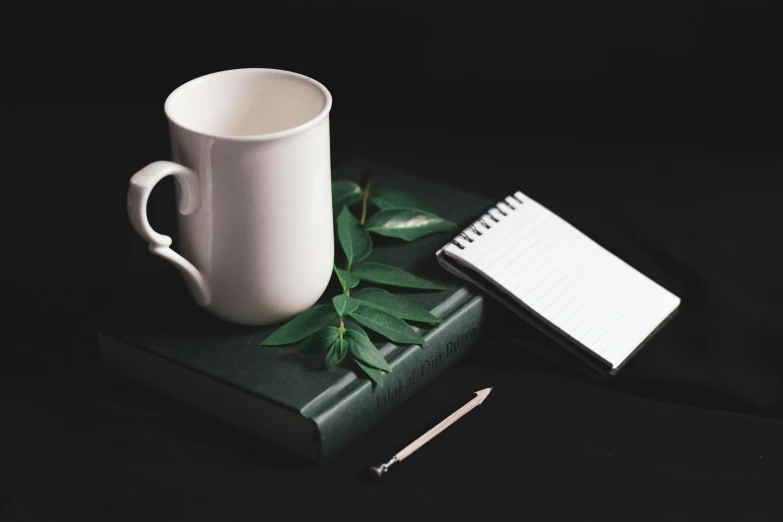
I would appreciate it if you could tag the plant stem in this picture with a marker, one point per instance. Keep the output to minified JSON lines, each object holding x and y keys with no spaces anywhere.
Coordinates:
{"x":364,"y":200}
{"x":347,"y":291}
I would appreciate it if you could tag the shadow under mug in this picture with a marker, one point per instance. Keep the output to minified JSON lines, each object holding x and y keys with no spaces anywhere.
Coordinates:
{"x":251,"y":158}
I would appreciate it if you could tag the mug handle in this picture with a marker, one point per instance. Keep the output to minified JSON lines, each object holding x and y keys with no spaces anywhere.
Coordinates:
{"x":140,"y":187}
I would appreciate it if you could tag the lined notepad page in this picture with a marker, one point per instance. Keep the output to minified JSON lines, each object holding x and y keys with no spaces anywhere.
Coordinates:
{"x":565,"y":277}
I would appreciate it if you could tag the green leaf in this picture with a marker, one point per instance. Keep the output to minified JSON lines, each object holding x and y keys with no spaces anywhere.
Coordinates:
{"x":301,"y":326}
{"x":320,"y":340}
{"x":344,"y":304}
{"x":346,"y":193}
{"x":336,"y":353}
{"x":362,"y":348}
{"x":386,"y":199}
{"x":397,"y":306}
{"x":354,"y":239}
{"x":386,"y":324}
{"x":374,"y":373}
{"x":389,"y":275}
{"x":347,"y":279}
{"x":407,"y":224}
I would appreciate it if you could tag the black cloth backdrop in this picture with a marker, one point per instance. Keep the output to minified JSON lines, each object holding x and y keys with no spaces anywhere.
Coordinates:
{"x":653,"y":127}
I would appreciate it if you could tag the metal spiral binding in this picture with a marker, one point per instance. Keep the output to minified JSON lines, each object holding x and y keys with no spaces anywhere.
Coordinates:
{"x":483,"y":223}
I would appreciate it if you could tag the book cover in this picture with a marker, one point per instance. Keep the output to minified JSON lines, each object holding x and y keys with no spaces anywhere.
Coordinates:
{"x":168,"y":343}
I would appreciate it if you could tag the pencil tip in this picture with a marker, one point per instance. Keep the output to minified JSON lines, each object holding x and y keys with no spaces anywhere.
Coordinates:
{"x":482,"y":394}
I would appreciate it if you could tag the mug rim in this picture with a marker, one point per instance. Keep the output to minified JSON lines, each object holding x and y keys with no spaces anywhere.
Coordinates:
{"x":254,"y":137}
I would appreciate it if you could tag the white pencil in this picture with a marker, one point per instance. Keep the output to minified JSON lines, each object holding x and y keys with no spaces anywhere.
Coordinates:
{"x":377,"y":472}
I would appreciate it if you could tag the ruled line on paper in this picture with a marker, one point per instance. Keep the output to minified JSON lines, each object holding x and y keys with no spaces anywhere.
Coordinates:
{"x":571,"y":294}
{"x":557,"y":258}
{"x":586,"y":251}
{"x":528,"y":250}
{"x":490,"y":256}
{"x":626,"y":322}
{"x":619,"y":308}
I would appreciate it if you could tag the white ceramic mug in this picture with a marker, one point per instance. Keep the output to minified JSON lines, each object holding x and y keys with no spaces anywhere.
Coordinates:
{"x":252,"y":164}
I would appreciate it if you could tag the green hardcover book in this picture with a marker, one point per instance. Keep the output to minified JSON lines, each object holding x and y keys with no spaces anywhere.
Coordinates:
{"x":168,"y":343}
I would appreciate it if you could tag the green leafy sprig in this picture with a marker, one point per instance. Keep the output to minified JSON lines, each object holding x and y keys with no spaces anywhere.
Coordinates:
{"x":337,"y":328}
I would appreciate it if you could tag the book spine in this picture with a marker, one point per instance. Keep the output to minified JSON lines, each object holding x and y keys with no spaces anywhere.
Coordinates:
{"x":368,"y":403}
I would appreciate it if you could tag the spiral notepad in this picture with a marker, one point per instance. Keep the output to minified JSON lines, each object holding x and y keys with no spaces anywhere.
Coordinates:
{"x":560,"y":280}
